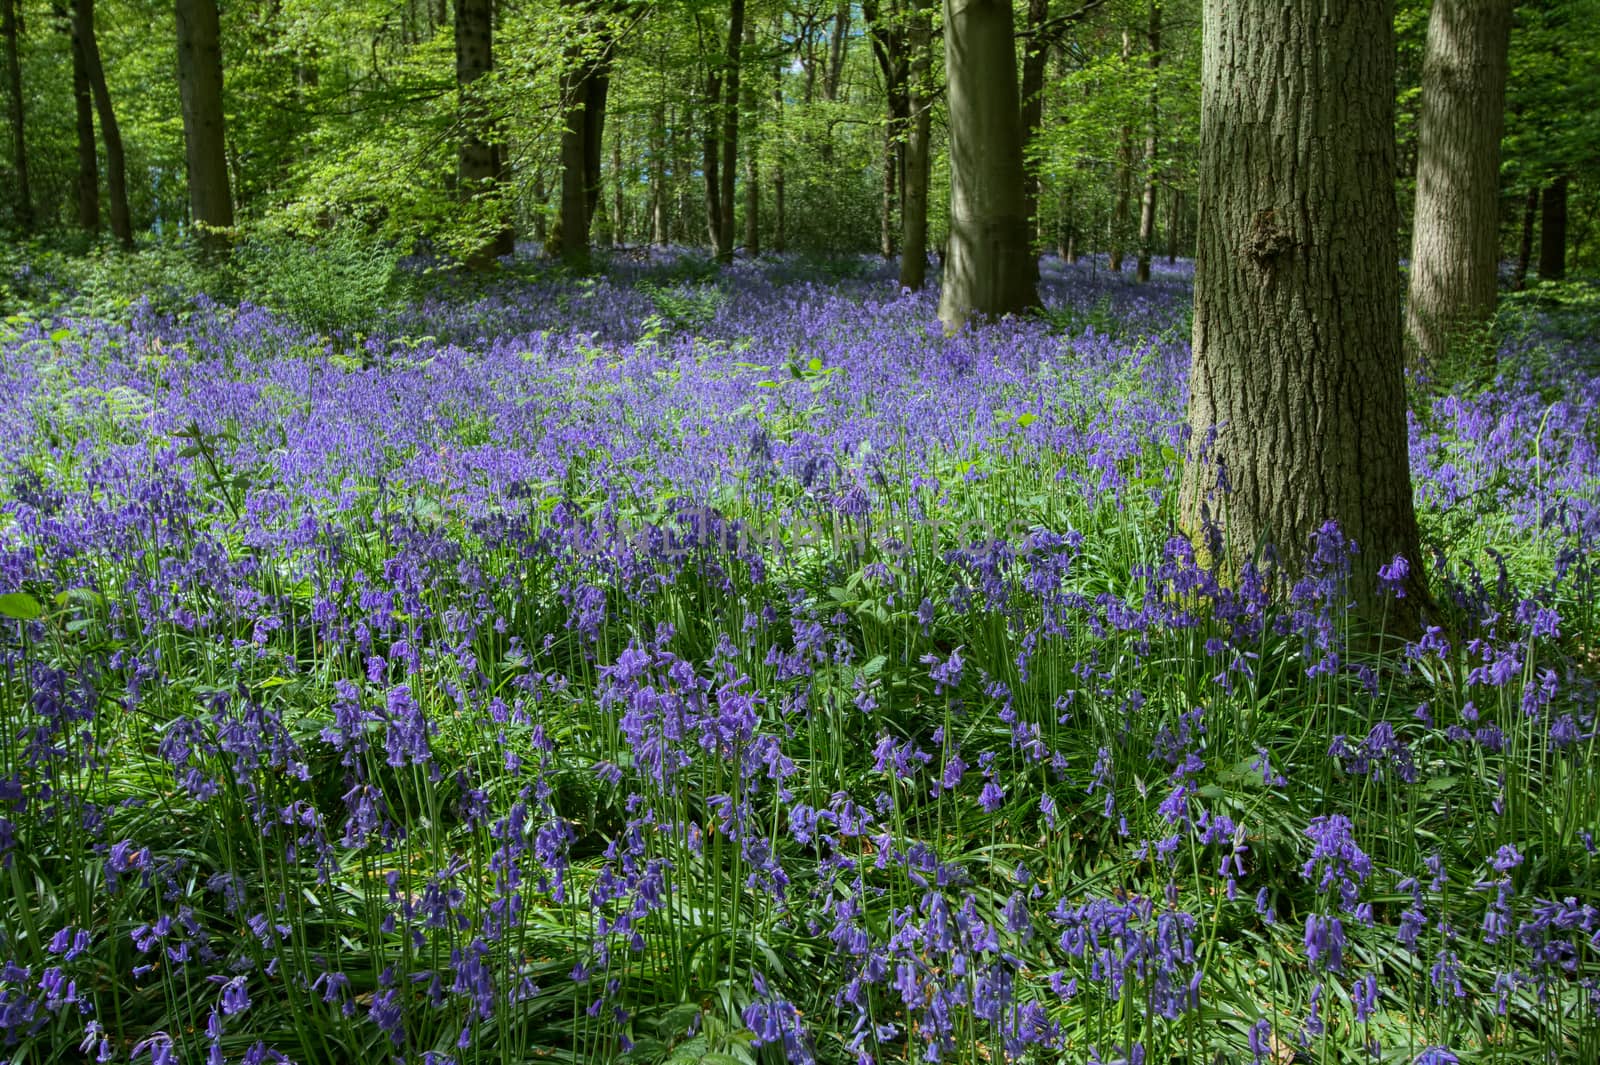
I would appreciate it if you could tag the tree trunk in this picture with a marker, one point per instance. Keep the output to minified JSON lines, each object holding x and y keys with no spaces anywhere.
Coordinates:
{"x":1147,"y":203}
{"x":1174,"y":220}
{"x":1553,"y":232}
{"x":19,"y":118}
{"x":658,"y":175}
{"x":585,"y":84}
{"x":1530,"y":215}
{"x":711,"y":159}
{"x":920,"y":91}
{"x":987,"y":270}
{"x":730,"y":133}
{"x":779,"y":222}
{"x":204,"y":132}
{"x":478,"y":165}
{"x":618,"y":232}
{"x":1297,"y":397}
{"x":88,"y":157}
{"x":1119,"y":212}
{"x":110,"y":133}
{"x":752,"y":161}
{"x":540,"y":225}
{"x":1455,"y":244}
{"x":1035,"y":56}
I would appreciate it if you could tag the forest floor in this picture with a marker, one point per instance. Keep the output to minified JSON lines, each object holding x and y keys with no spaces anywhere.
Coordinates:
{"x":727,"y":666}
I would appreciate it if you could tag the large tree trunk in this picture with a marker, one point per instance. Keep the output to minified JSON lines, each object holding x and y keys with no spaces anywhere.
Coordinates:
{"x":730,"y":133}
{"x":585,"y":84}
{"x":914,"y":216}
{"x":110,"y":133}
{"x":988,"y":269}
{"x":1297,"y":396}
{"x":19,"y":118}
{"x":88,"y":156}
{"x":1455,"y":244}
{"x":1553,"y":232}
{"x":204,"y":132}
{"x":478,"y":167}
{"x":1147,"y":202}
{"x":1120,"y":211}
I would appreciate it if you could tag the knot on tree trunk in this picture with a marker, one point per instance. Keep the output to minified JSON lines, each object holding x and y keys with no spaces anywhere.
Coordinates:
{"x":1266,"y":240}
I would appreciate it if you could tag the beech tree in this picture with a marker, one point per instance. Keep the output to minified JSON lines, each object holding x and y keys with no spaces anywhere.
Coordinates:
{"x":204,"y":129}
{"x":110,"y":132}
{"x":1297,"y":398}
{"x":10,"y":30}
{"x":1455,"y":248}
{"x":479,"y":162}
{"x":989,"y":268}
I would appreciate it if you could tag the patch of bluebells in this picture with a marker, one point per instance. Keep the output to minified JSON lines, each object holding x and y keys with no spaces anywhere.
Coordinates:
{"x":584,"y":673}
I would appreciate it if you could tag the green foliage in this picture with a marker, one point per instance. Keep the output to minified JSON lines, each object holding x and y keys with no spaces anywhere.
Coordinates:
{"x":333,"y":283}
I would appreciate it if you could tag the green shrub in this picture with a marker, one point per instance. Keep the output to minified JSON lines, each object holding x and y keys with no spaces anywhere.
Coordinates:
{"x":332,"y":282}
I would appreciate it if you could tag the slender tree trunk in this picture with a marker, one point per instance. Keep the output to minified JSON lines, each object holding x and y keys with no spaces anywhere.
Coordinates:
{"x":987,"y":270}
{"x":914,"y":216}
{"x":1035,"y":57}
{"x":110,"y":133}
{"x":1530,"y":215}
{"x":88,"y":156}
{"x":204,"y":132}
{"x":1553,"y":232}
{"x":1119,"y":212}
{"x":540,"y":194}
{"x":1297,"y":398}
{"x":835,"y":72}
{"x":1147,"y":203}
{"x":618,"y":233}
{"x":779,"y":222}
{"x":730,"y":133}
{"x":1174,"y":221}
{"x":658,"y":175}
{"x":19,"y":118}
{"x":711,"y":161}
{"x":752,"y":160}
{"x":1455,"y":247}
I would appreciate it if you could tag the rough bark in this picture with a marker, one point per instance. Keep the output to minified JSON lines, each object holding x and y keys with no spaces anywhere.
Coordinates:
{"x":1297,"y":396}
{"x":914,"y":215}
{"x":204,"y":130}
{"x":478,"y":152}
{"x":110,"y":132}
{"x":1553,"y":231}
{"x":988,"y":269}
{"x":1455,"y":247}
{"x":19,"y":140}
{"x":1530,"y":216}
{"x":88,"y":178}
{"x":1147,"y":201}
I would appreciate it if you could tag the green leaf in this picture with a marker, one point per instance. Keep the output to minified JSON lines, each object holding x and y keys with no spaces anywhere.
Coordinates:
{"x":21,"y":606}
{"x":1025,"y":420}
